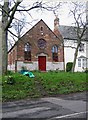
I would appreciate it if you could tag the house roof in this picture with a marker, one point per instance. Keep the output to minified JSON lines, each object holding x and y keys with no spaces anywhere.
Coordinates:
{"x":59,"y":37}
{"x":69,"y":32}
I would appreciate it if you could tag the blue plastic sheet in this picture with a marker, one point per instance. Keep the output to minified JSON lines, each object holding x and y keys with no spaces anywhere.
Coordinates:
{"x":27,"y":73}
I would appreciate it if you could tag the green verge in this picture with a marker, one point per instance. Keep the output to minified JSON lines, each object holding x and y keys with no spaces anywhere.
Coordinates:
{"x":24,"y":87}
{"x":54,"y":83}
{"x":63,"y":82}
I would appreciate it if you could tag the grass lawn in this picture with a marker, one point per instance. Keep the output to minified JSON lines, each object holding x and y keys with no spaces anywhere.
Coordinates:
{"x":44,"y":84}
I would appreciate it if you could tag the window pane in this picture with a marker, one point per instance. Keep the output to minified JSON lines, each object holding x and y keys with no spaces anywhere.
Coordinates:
{"x":27,"y":52}
{"x":55,"y":57}
{"x":84,"y":63}
{"x":81,"y":48}
{"x":55,"y":53}
{"x":27,"y":47}
{"x":27,"y":55}
{"x":79,"y":62}
{"x":55,"y":49}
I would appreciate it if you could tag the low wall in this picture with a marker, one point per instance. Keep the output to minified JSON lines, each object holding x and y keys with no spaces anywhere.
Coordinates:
{"x":34,"y":66}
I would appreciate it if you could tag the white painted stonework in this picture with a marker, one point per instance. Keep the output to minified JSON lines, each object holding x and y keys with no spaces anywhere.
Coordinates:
{"x":11,"y":67}
{"x":29,"y":66}
{"x":54,"y":66}
{"x":34,"y":66}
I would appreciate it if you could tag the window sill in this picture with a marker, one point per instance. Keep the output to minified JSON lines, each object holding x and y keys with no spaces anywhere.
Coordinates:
{"x":28,"y":62}
{"x":55,"y":62}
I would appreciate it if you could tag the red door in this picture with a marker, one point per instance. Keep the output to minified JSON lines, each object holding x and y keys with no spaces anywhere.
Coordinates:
{"x":42,"y":63}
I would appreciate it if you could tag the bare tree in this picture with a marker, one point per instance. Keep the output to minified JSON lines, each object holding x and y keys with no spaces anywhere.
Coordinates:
{"x":78,"y":11}
{"x":9,"y":9}
{"x":18,"y":26}
{"x":7,"y":17}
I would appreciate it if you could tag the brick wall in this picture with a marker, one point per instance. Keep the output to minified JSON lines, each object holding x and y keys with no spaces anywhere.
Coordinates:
{"x":12,"y":56}
{"x":40,"y":30}
{"x":33,"y":36}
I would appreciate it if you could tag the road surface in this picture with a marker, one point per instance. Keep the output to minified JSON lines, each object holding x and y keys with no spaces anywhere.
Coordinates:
{"x":49,"y":108}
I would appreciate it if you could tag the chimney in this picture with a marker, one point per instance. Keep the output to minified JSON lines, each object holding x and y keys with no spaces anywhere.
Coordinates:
{"x":56,"y":26}
{"x":56,"y":23}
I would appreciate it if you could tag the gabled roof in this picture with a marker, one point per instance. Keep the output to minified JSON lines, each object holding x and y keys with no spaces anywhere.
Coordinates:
{"x":69,"y":32}
{"x":59,"y":37}
{"x":83,"y":57}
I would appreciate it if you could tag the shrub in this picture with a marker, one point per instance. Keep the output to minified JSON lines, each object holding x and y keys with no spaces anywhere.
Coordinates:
{"x":9,"y":72}
{"x":86,"y":71}
{"x":10,"y":80}
{"x":69,"y":66}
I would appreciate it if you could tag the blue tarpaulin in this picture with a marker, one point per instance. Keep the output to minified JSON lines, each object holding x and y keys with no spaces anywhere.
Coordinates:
{"x":27,"y":73}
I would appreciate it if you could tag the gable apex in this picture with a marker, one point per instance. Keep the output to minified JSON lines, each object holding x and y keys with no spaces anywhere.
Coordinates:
{"x":40,"y":22}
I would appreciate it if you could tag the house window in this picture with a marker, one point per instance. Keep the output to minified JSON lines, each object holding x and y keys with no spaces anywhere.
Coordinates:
{"x":41,"y":43}
{"x":81,"y":47}
{"x":79,"y":62}
{"x":55,"y":53}
{"x":41,"y":28}
{"x":27,"y":52}
{"x":84,"y":63}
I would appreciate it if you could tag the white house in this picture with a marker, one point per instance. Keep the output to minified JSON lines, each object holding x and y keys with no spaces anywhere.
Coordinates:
{"x":69,"y":36}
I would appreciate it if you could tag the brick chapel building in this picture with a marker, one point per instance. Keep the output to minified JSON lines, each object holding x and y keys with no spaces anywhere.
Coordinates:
{"x":38,"y":49}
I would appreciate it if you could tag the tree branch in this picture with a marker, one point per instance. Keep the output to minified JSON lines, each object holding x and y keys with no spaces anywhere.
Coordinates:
{"x":12,"y":15}
{"x":28,"y":9}
{"x":13,"y":33}
{"x":0,"y":6}
{"x":84,"y":30}
{"x":2,"y":9}
{"x":41,"y":5}
{"x":25,"y":22}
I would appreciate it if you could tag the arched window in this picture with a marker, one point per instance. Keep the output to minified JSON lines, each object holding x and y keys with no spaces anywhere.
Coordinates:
{"x":41,"y":28}
{"x":55,"y":53}
{"x":27,"y":52}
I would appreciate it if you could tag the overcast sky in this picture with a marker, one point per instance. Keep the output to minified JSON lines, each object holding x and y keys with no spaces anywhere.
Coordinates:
{"x":47,"y":16}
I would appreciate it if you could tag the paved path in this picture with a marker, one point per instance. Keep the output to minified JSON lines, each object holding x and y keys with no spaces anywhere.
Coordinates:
{"x":48,"y":108}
